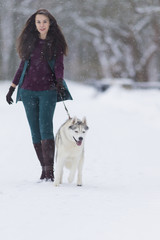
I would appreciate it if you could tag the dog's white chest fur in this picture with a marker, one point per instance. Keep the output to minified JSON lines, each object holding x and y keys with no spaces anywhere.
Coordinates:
{"x":70,"y":149}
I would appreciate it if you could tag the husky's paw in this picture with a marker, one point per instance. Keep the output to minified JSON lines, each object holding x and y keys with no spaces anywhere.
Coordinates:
{"x":79,"y":185}
{"x":56,"y":184}
{"x":70,"y":179}
{"x":79,"y":182}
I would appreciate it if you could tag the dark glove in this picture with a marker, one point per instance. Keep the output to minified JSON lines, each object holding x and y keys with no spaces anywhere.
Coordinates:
{"x":60,"y":87}
{"x":9,"y":94}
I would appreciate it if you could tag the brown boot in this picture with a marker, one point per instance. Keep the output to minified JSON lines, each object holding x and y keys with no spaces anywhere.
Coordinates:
{"x":48,"y":148}
{"x":49,"y":175}
{"x":38,"y":149}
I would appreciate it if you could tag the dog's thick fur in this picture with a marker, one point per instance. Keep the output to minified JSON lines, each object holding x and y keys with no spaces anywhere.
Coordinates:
{"x":70,"y":149}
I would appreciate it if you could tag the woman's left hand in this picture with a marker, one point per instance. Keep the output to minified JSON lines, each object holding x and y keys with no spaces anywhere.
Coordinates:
{"x":60,"y":87}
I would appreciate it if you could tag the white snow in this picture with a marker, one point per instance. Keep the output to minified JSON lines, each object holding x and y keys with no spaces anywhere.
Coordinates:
{"x":120,"y":197}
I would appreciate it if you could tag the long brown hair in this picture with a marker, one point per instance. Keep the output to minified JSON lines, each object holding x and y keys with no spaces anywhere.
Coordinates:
{"x":55,"y":41}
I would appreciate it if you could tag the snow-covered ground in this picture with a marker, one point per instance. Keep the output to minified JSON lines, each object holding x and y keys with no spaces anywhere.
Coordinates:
{"x":120,"y":197}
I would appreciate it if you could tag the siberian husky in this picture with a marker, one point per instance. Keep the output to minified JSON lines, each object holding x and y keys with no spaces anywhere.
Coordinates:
{"x":70,"y":149}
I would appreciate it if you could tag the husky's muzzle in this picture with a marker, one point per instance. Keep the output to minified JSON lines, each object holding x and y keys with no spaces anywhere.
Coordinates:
{"x":79,"y":141}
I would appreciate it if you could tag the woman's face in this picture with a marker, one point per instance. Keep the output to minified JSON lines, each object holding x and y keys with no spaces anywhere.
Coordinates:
{"x":42,"y":24}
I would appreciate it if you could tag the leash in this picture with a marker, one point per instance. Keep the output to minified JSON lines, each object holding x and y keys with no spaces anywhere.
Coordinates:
{"x":65,"y":107}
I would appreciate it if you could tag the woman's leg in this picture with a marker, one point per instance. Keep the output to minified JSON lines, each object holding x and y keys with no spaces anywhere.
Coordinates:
{"x":38,"y":149}
{"x":47,"y":103}
{"x":31,"y":105}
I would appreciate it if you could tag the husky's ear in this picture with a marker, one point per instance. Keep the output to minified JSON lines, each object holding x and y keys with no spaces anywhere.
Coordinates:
{"x":84,"y":121}
{"x":74,"y":120}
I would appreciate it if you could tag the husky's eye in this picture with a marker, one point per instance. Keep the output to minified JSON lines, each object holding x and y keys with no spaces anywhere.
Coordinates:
{"x":76,"y":131}
{"x":83,"y":131}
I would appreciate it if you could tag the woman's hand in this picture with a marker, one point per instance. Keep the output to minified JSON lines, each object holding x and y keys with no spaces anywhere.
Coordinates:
{"x":60,"y":87}
{"x":9,"y":95}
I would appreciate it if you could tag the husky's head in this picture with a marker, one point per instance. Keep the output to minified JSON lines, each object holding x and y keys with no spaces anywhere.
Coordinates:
{"x":78,"y":130}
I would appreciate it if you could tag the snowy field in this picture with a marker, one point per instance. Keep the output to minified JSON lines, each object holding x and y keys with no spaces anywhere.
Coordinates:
{"x":120,"y":196}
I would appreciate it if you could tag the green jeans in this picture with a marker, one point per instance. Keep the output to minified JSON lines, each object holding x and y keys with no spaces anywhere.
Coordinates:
{"x":39,"y":107}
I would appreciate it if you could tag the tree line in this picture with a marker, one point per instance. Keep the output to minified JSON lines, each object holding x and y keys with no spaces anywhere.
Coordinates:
{"x":106,"y":38}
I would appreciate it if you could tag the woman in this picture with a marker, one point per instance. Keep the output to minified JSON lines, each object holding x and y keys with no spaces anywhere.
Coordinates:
{"x":41,"y":46}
